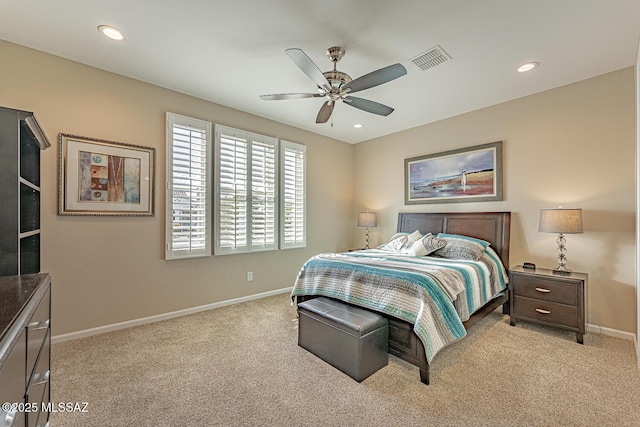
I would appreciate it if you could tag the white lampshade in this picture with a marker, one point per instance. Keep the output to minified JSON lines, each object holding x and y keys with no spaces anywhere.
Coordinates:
{"x":566,"y":221}
{"x":367,"y":219}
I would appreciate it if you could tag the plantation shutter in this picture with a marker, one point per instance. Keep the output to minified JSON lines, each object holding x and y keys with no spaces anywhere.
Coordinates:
{"x":246,"y":198}
{"x":293,"y":209}
{"x":263,"y":193}
{"x":232,"y":174}
{"x":188,"y":212}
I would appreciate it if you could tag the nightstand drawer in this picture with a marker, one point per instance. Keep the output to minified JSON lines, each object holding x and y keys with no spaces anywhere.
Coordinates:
{"x":546,"y":289}
{"x":546,"y":311}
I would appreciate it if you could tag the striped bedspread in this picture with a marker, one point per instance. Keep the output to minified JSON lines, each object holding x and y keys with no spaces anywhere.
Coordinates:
{"x":434,"y":294}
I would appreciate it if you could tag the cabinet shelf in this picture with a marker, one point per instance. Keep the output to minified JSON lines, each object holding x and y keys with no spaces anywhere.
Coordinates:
{"x":20,"y":148}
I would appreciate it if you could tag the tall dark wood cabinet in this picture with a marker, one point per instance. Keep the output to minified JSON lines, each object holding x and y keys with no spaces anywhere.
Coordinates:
{"x":25,"y":297}
{"x":21,"y":141}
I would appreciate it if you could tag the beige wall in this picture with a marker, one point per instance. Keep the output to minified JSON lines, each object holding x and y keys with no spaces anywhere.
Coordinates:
{"x":572,"y":146}
{"x":111,"y":269}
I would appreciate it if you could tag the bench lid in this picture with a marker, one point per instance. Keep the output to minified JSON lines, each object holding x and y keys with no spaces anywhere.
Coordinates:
{"x":355,"y":319}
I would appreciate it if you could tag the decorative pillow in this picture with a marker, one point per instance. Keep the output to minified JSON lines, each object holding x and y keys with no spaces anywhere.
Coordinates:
{"x":396,"y":243}
{"x":413,"y":237}
{"x":426,"y":245}
{"x":395,"y":236}
{"x":392,"y":238}
{"x":461,"y":247}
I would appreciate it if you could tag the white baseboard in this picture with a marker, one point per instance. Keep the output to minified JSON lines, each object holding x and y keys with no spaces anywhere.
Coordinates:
{"x":142,"y":321}
{"x":597,"y":329}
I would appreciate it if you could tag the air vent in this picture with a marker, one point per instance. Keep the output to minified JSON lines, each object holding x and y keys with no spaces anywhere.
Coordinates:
{"x":431,"y":58}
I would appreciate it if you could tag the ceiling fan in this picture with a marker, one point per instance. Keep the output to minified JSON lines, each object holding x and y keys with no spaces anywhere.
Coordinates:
{"x":336,"y":86}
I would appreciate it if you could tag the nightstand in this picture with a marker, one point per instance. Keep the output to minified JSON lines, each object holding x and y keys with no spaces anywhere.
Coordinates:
{"x":550,"y":299}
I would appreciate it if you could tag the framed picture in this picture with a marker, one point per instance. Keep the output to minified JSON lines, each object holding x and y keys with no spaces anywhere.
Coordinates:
{"x":472,"y":174}
{"x":97,"y":177}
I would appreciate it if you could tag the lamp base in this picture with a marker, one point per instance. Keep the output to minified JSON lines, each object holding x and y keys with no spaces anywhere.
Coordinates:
{"x":563,"y":272}
{"x":366,"y":239}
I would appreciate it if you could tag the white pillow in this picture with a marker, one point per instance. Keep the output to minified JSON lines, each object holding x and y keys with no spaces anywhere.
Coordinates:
{"x":401,"y":242}
{"x":413,"y":237}
{"x":426,"y":245}
{"x":395,"y":244}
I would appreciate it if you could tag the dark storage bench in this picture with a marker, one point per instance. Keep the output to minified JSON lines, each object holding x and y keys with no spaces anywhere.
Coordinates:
{"x":352,"y":339}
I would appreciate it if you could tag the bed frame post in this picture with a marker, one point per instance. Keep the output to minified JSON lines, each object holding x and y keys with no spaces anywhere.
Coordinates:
{"x":424,"y":375}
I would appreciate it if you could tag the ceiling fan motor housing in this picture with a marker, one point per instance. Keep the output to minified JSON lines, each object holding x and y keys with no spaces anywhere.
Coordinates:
{"x":334,"y":77}
{"x":337,"y":78}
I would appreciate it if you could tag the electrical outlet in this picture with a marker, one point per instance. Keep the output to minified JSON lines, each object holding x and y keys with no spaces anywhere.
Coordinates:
{"x":249,"y":276}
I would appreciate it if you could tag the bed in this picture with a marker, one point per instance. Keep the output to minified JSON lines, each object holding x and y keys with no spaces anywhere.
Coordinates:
{"x":408,"y":334}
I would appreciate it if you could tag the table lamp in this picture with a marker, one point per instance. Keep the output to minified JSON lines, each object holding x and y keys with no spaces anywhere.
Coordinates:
{"x":561,"y":221}
{"x":367,"y":219}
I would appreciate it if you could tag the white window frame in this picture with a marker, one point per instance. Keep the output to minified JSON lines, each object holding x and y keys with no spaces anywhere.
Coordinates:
{"x":248,"y":244}
{"x":299,"y":237}
{"x":193,"y":247}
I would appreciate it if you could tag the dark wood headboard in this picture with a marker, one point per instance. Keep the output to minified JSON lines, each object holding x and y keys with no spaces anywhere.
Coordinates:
{"x":493,"y":227}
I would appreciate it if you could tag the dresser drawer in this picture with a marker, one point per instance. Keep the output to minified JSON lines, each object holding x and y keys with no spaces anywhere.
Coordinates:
{"x":38,"y":387}
{"x":37,"y":329}
{"x":546,"y":311}
{"x":546,"y":289}
{"x":12,"y":383}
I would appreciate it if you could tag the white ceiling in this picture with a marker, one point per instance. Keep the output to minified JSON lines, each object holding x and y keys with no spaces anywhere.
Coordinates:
{"x":230,"y":52}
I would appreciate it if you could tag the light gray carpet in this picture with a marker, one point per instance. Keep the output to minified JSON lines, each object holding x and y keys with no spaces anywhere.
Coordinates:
{"x":241,"y":366}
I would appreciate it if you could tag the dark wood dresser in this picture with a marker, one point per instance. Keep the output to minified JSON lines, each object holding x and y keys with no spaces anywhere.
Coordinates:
{"x":25,"y":356}
{"x":539,"y":295}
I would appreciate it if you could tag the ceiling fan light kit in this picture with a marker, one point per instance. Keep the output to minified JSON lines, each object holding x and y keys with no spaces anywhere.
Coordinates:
{"x":336,"y":85}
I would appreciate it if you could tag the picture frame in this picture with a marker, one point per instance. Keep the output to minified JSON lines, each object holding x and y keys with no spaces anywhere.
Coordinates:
{"x":472,"y":174}
{"x":106,"y":178}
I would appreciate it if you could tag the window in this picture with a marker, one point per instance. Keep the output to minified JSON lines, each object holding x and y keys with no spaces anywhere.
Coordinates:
{"x":246,"y":199}
{"x":293,"y":210}
{"x":188,"y":212}
{"x":260,"y":200}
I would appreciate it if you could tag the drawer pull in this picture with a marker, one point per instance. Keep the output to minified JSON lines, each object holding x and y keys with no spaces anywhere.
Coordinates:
{"x":36,"y":326}
{"x":540,"y":310}
{"x":543,"y":290}
{"x":42,"y":378}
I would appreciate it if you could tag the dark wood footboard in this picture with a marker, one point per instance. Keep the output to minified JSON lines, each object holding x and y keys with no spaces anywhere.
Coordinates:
{"x":406,"y":345}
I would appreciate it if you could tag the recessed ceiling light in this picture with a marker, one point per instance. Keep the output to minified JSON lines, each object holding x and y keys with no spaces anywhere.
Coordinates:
{"x":357,"y":125}
{"x":527,"y":67}
{"x":111,"y":32}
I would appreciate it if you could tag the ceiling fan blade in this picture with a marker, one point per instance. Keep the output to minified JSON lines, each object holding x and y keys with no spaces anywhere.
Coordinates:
{"x":325,"y":112}
{"x":375,"y":78}
{"x":368,"y":106}
{"x":308,"y":67}
{"x":279,"y":96}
